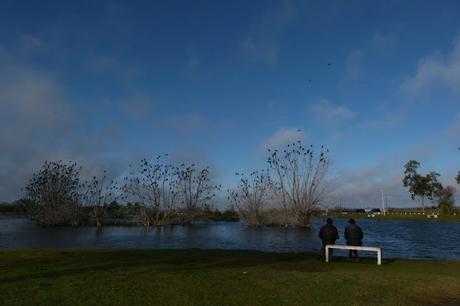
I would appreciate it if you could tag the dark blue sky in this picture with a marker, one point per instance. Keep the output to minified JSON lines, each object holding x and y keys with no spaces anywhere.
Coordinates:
{"x":105,"y":83}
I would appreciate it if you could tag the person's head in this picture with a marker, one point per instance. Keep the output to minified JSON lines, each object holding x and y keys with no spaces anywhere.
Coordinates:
{"x":351,"y":221}
{"x":329,"y":221}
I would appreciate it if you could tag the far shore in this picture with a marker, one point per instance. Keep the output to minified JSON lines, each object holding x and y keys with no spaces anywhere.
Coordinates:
{"x":335,"y":215}
{"x":411,"y":216}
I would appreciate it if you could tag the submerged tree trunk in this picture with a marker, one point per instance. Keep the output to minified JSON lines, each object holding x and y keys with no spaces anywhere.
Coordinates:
{"x":423,"y":205}
{"x":304,"y":220}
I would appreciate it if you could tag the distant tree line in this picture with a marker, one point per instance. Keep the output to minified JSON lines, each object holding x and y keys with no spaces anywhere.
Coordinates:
{"x":158,"y":192}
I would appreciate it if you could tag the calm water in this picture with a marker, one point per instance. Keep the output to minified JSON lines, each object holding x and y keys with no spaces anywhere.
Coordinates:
{"x":399,"y":239}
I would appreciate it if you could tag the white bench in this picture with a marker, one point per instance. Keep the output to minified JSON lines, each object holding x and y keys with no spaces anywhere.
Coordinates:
{"x":352,"y":247}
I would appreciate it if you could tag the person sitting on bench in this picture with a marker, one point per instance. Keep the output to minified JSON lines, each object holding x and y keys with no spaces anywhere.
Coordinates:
{"x":353,"y":236}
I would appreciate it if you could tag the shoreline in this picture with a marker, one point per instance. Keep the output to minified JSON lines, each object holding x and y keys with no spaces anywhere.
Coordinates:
{"x":396,"y":217}
{"x":308,"y":255}
{"x":389,"y":217}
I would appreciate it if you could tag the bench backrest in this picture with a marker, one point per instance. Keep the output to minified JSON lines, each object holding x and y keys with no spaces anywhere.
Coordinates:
{"x":353,"y":247}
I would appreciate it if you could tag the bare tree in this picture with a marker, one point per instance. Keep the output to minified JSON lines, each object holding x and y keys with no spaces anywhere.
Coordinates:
{"x":54,"y":194}
{"x":154,"y":185}
{"x":251,"y":196}
{"x":300,"y":177}
{"x":97,"y":193}
{"x":195,"y":188}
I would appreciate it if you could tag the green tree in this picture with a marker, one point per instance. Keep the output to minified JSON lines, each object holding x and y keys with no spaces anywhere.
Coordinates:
{"x":422,"y":186}
{"x":446,"y":200}
{"x":458,"y":175}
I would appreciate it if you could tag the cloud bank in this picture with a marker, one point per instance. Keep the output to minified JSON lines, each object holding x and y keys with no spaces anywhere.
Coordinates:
{"x":282,"y":137}
{"x":436,"y":70}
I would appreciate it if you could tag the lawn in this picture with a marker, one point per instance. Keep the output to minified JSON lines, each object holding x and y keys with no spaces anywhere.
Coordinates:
{"x":215,"y":277}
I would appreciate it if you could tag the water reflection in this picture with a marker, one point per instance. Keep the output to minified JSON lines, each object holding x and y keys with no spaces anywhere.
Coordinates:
{"x":404,"y":239}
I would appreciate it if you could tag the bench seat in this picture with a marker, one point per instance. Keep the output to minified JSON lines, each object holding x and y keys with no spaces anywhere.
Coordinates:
{"x":352,"y":247}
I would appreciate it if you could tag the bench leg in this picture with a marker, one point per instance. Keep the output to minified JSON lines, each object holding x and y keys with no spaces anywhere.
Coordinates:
{"x":379,"y":258}
{"x":326,"y":253}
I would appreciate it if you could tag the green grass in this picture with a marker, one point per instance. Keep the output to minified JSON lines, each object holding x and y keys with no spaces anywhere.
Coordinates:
{"x":197,"y":277}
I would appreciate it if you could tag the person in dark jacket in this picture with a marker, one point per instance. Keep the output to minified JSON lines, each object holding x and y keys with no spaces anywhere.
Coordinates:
{"x":353,"y":236}
{"x":328,"y":235}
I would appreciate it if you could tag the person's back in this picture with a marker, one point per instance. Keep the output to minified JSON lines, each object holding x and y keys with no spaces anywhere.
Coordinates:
{"x":328,"y":234}
{"x":354,"y":236}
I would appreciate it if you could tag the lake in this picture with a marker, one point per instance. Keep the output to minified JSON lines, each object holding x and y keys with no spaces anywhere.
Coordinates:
{"x":399,"y":239}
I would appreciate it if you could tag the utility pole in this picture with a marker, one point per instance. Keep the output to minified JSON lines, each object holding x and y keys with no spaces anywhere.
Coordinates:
{"x":383,"y":201}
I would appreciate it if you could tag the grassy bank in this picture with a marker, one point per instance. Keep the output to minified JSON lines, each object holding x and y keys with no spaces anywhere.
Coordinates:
{"x":196,"y":277}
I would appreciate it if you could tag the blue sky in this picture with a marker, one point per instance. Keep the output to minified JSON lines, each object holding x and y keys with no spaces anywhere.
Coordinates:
{"x":106,"y":83}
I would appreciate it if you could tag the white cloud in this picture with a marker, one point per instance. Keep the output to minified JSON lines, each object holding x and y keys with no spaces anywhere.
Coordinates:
{"x":139,"y":106}
{"x":186,"y":123}
{"x":361,"y":187}
{"x":385,"y":41}
{"x":282,"y":137}
{"x":354,"y":65}
{"x":191,"y":67}
{"x":436,"y":70}
{"x":31,"y":101}
{"x":266,"y":50}
{"x":262,"y":41}
{"x":455,"y":130}
{"x":33,"y":119}
{"x":384,"y":122}
{"x":358,"y":59}
{"x":37,"y":123}
{"x":329,"y":114}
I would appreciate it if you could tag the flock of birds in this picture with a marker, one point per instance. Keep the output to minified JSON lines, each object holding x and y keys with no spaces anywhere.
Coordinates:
{"x":328,"y":64}
{"x":309,"y":81}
